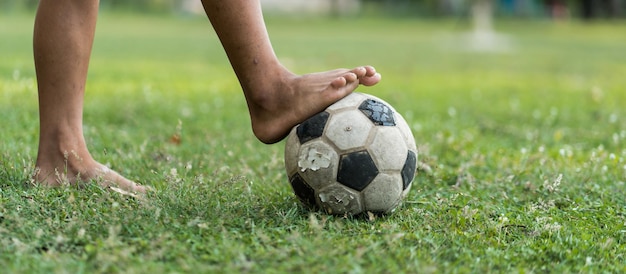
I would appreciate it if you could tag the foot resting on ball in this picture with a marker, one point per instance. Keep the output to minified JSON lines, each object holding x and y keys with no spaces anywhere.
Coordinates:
{"x":276,"y":104}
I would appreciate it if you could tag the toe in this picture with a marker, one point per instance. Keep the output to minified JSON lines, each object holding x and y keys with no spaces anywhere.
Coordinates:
{"x":344,"y":80}
{"x":370,"y":71}
{"x":339,"y":82}
{"x":351,"y":77}
{"x":370,"y":80}
{"x":139,"y":188}
{"x":359,"y":71}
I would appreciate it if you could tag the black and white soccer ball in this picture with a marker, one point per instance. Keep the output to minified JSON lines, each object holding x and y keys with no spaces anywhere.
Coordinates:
{"x":358,"y":155}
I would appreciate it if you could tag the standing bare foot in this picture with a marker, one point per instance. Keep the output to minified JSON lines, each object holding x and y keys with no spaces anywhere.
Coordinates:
{"x":62,"y":40}
{"x":77,"y":168}
{"x":281,"y":104}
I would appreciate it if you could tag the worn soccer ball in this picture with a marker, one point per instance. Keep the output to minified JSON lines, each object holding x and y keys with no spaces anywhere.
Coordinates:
{"x":358,"y":155}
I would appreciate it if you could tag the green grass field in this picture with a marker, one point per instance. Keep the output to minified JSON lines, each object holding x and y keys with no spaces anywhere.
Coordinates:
{"x":523,"y":153}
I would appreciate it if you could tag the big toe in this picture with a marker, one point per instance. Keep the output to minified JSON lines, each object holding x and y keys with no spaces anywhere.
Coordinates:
{"x":367,"y":75}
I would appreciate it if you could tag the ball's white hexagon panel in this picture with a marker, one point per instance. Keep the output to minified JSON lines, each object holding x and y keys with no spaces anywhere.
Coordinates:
{"x":338,"y":199}
{"x":388,"y":148}
{"x":292,"y":147}
{"x":353,"y":100}
{"x":406,"y":132}
{"x":317,"y":163}
{"x":348,"y":129}
{"x":384,"y":193}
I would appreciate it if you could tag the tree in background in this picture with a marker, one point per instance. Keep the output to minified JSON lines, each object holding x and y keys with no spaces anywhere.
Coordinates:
{"x":482,"y":16}
{"x":590,"y":9}
{"x":483,"y":37}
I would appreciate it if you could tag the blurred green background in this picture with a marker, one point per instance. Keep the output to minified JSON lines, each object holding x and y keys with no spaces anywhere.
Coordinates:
{"x":519,"y":121}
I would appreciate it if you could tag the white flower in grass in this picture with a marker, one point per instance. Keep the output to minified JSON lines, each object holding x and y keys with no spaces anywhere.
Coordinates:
{"x":553,"y":187}
{"x":552,"y":227}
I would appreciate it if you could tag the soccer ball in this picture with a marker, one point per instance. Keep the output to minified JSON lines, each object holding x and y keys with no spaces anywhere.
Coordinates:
{"x":358,"y":155}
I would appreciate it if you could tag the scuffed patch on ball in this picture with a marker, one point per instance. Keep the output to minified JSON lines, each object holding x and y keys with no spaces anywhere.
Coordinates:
{"x":314,"y":159}
{"x":378,"y":112}
{"x":337,"y":199}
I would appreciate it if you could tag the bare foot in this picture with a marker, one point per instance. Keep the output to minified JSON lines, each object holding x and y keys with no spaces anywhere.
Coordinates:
{"x":278,"y":106}
{"x":73,"y":169}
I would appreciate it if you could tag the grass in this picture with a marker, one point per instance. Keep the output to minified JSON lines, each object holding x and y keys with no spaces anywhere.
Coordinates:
{"x":523,"y":154}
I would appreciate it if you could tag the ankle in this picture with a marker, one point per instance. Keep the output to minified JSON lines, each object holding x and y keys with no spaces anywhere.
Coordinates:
{"x":262,"y":84}
{"x":67,"y":153}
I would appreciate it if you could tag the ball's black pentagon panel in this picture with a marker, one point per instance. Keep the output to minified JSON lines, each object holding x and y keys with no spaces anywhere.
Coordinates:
{"x":356,"y":170}
{"x":303,"y":191}
{"x":378,"y":112}
{"x":408,"y":171}
{"x":313,"y":127}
